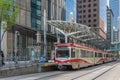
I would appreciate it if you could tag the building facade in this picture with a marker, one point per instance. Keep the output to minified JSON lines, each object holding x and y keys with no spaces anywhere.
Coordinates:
{"x":23,"y":36}
{"x":56,"y":10}
{"x":115,"y":34}
{"x":115,"y":6}
{"x":23,"y":33}
{"x":119,"y":27}
{"x":93,"y":14}
{"x":110,"y":17}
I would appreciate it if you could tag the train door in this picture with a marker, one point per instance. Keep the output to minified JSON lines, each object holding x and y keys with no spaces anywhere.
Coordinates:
{"x":77,"y":53}
{"x":92,"y":57}
{"x":72,"y":55}
{"x":105,"y":57}
{"x":96,"y":57}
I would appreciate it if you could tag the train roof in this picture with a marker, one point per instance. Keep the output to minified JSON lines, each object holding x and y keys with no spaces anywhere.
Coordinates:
{"x":79,"y":46}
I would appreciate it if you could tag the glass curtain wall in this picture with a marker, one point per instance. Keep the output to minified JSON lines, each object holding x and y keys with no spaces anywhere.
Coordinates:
{"x":36,"y":14}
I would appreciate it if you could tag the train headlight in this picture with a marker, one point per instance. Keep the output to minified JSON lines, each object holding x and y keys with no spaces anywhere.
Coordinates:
{"x":56,"y":62}
{"x":68,"y":62}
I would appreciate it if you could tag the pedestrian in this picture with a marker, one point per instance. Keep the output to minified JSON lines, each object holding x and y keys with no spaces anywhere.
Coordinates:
{"x":2,"y":55}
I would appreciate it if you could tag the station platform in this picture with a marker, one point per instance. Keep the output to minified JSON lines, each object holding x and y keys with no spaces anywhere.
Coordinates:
{"x":49,"y":64}
{"x":14,"y":70}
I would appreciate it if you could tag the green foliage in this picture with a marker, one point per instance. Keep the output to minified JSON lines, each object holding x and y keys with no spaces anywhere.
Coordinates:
{"x":8,"y":12}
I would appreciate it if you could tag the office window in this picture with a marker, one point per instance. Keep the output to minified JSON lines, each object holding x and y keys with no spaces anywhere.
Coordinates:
{"x":84,"y":16}
{"x":89,"y":0}
{"x":89,"y":20}
{"x":84,"y":21}
{"x":84,"y":11}
{"x":89,"y":10}
{"x":80,"y":21}
{"x":94,"y":10}
{"x":80,"y":6}
{"x":80,"y":11}
{"x":38,"y":3}
{"x":80,"y":16}
{"x":94,"y":15}
{"x":89,"y":5}
{"x":94,"y":20}
{"x":94,"y":25}
{"x":36,"y":14}
{"x":89,"y":16}
{"x":89,"y":25}
{"x":84,"y":0}
{"x":84,"y":6}
{"x":94,"y":4}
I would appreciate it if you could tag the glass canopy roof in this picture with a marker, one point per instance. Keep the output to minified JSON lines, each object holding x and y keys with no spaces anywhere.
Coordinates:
{"x":80,"y":32}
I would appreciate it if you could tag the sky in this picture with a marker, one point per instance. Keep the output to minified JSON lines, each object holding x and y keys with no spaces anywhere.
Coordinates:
{"x":70,"y":7}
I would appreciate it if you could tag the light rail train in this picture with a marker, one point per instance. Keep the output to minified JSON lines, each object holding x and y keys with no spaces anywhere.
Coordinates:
{"x":70,"y":55}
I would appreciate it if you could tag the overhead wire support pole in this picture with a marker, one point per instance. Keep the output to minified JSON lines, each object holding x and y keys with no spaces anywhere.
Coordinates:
{"x":66,"y":38}
{"x":45,"y":43}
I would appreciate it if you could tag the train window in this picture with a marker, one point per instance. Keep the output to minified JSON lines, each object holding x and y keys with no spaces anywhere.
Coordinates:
{"x":83,"y":53}
{"x":61,"y":53}
{"x":87,"y":54}
{"x":77,"y":53}
{"x":72,"y":53}
{"x":96,"y":54}
{"x":104,"y":55}
{"x":91,"y":54}
{"x":99,"y":54}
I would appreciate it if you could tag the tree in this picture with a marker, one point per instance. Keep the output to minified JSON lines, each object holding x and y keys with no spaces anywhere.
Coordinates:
{"x":8,"y":13}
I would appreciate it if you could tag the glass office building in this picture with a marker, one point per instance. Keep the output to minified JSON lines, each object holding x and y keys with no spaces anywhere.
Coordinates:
{"x":28,"y":22}
{"x":36,"y":14}
{"x":110,"y":17}
{"x":115,"y":6}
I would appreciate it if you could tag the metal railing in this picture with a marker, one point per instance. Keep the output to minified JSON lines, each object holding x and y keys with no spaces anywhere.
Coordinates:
{"x":17,"y":61}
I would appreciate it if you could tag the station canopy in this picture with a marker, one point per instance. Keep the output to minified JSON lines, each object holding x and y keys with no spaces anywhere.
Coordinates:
{"x":80,"y":32}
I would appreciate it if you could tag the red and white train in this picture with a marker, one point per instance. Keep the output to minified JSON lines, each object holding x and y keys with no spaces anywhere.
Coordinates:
{"x":70,"y":55}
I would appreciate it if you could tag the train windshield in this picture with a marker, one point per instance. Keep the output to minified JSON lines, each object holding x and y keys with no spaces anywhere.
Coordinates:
{"x":62,"y":53}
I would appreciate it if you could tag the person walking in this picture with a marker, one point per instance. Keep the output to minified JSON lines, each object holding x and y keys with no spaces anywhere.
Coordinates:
{"x":2,"y":55}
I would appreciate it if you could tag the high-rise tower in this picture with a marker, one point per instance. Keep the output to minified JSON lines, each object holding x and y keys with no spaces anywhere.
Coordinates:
{"x":93,"y":14}
{"x":115,"y":6}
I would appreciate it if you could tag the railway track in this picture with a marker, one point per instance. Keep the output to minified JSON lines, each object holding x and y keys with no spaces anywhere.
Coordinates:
{"x":99,"y":67}
{"x":91,"y":74}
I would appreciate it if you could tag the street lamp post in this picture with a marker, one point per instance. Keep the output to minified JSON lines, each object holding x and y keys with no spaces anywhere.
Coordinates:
{"x":45,"y":43}
{"x":38,"y":35}
{"x":16,"y":40}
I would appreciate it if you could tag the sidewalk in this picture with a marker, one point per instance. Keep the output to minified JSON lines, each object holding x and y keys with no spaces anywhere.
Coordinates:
{"x":34,"y":76}
{"x":25,"y":67}
{"x":12,"y":64}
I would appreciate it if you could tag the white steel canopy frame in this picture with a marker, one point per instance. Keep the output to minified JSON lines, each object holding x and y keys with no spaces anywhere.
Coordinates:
{"x":78,"y":31}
